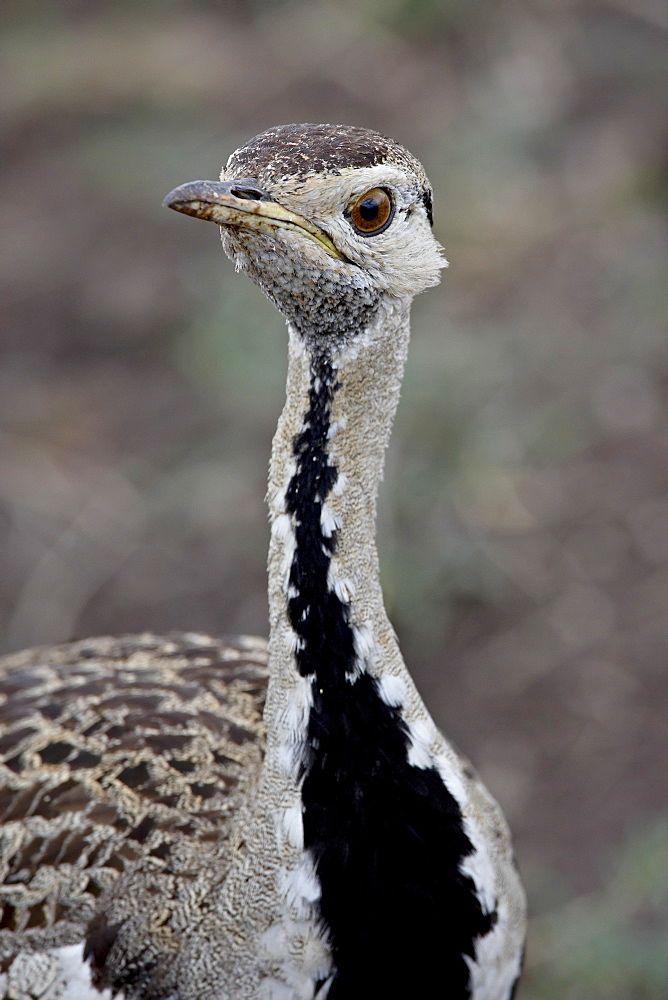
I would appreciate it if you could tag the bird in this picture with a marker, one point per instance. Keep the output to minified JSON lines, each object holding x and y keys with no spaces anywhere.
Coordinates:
{"x":187,"y":817}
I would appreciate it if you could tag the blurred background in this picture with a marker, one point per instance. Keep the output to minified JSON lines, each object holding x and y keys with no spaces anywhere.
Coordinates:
{"x":524,"y":521}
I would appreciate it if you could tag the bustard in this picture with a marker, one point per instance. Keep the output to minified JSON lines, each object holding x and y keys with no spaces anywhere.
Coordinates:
{"x":158,"y":835}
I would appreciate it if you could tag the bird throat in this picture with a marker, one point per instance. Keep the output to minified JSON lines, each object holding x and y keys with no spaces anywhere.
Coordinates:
{"x":382,"y":832}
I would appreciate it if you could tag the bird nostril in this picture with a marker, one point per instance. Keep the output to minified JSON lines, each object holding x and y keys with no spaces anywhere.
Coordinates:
{"x":249,"y":193}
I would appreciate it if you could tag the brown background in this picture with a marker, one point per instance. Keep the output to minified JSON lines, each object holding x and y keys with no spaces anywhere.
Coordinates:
{"x":524,"y":526}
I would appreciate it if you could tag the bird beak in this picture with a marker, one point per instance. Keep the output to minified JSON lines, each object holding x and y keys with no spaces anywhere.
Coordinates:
{"x":243,"y":204}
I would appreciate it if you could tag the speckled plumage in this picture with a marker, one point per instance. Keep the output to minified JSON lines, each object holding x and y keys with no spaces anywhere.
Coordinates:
{"x":287,"y":153}
{"x":119,"y":756}
{"x":352,"y":852}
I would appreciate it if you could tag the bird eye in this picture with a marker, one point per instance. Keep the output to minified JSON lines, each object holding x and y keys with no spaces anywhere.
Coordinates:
{"x":372,"y":212}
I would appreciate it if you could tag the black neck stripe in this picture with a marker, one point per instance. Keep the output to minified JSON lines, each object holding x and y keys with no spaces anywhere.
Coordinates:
{"x":387,"y":838}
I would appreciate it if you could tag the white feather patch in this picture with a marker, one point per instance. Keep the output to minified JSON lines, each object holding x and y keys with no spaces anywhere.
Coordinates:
{"x":283,"y":531}
{"x":342,"y":586}
{"x":352,"y":349}
{"x":339,"y":487}
{"x":421,"y":736}
{"x":478,"y":866}
{"x":366,"y":648}
{"x":450,"y":776}
{"x":296,"y":641}
{"x":274,"y":989}
{"x":292,"y":825}
{"x":298,"y":708}
{"x":77,"y":975}
{"x":281,"y":527}
{"x":329,"y":521}
{"x":392,"y":690}
{"x":336,"y":426}
{"x":297,"y":976}
{"x":299,"y":888}
{"x":296,"y":711}
{"x":495,"y":967}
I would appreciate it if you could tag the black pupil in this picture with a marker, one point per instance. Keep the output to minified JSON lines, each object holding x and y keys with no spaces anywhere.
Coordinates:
{"x":369,"y":209}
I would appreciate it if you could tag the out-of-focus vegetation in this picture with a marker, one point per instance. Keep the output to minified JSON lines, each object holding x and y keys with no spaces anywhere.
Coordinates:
{"x":524,"y":532}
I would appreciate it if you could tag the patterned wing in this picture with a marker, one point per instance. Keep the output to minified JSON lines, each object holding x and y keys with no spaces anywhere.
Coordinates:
{"x":118,"y":756}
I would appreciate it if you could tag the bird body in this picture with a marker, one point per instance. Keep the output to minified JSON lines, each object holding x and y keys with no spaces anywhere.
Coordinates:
{"x":123,"y":762}
{"x":360,"y":855}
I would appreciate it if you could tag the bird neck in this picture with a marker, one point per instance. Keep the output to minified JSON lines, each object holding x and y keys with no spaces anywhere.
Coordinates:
{"x":351,"y":751}
{"x":327,"y":618}
{"x":356,"y":833}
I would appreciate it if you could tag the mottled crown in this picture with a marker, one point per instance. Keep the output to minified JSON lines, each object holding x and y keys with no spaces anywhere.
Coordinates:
{"x":301,"y":151}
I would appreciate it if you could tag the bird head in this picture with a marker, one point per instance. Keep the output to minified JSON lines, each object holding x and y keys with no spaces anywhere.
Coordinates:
{"x":327,"y":219}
